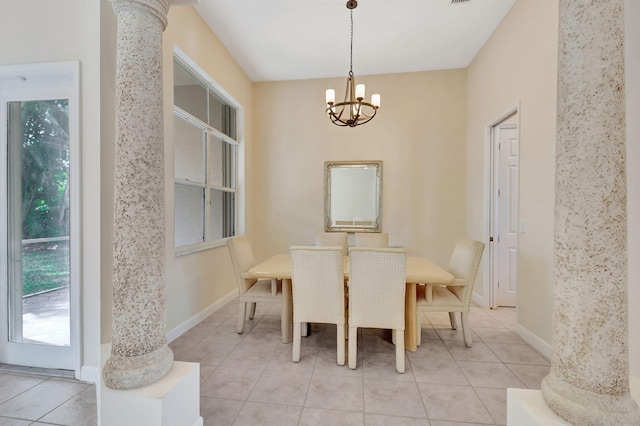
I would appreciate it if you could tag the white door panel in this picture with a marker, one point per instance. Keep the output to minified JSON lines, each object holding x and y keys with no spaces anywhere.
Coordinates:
{"x":505,"y":249}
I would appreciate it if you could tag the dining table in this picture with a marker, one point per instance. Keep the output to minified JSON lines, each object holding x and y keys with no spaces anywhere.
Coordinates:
{"x":420,"y":270}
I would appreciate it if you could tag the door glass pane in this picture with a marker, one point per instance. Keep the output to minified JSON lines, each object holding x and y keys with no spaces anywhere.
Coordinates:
{"x":38,"y":212}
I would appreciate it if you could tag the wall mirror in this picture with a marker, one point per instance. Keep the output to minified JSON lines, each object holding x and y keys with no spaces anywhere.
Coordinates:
{"x":353,"y":196}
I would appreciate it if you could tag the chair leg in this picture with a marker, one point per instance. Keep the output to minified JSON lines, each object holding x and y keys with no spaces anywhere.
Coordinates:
{"x":353,"y":348}
{"x":452,"y":320}
{"x":418,"y":329}
{"x":305,"y":329}
{"x":241,"y":316}
{"x":399,"y":350}
{"x":466,"y":333}
{"x":296,"y":342}
{"x":252,"y":310}
{"x":340,"y":343}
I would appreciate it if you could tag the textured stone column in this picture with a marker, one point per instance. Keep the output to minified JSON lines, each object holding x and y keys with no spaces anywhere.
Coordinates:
{"x":139,"y":353}
{"x":589,"y":379}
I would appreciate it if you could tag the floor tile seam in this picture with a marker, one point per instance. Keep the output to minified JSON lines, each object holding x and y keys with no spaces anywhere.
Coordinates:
{"x":62,"y":403}
{"x":17,"y":395}
{"x":495,"y":422}
{"x":424,"y":404}
{"x":525,"y":344}
{"x":502,"y":363}
{"x":521,"y":381}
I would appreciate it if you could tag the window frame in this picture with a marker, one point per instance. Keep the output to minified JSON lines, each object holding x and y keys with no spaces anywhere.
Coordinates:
{"x":236,"y":178}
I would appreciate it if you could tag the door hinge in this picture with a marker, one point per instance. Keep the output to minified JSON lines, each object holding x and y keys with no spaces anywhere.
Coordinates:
{"x":490,"y":239}
{"x":498,"y":192}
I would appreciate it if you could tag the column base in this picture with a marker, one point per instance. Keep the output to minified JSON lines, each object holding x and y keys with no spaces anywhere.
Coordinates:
{"x":174,"y":400}
{"x":526,"y":407}
{"x":137,"y":371}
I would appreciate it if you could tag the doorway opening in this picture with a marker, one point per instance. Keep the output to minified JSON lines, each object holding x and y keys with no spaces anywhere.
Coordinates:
{"x":504,"y":226}
{"x":39,"y":218}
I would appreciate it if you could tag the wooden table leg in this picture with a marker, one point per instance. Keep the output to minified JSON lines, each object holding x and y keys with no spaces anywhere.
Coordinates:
{"x":410,"y":320}
{"x":286,"y":318}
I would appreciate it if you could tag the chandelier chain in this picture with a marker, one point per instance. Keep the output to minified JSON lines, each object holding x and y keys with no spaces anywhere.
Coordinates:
{"x":351,"y":52}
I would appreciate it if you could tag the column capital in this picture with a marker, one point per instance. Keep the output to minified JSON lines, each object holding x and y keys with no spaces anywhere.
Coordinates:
{"x":157,"y":8}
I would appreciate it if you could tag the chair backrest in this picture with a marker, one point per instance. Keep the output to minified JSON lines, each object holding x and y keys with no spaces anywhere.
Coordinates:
{"x":242,"y":260}
{"x":332,"y":239}
{"x":464,"y":264}
{"x":377,"y":283}
{"x":366,"y":239}
{"x":317,"y":280}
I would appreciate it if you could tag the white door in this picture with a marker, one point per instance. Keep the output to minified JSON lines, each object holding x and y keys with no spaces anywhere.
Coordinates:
{"x":505,"y":239}
{"x":38,"y":262}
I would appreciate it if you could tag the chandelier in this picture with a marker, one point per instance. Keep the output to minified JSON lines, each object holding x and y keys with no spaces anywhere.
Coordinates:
{"x":353,"y":111}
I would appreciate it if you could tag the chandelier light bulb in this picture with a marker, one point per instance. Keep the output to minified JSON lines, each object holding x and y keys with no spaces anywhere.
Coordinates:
{"x":375,"y":100}
{"x":331,"y":96}
{"x":359,"y":92}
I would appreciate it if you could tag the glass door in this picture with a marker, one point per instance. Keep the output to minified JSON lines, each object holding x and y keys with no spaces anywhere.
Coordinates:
{"x":36,"y":282}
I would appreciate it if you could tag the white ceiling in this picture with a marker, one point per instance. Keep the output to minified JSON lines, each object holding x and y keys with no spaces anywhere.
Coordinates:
{"x":302,"y":39}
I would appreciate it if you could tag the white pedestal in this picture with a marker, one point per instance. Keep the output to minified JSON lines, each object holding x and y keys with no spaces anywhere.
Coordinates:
{"x":174,"y":400}
{"x":525,"y":407}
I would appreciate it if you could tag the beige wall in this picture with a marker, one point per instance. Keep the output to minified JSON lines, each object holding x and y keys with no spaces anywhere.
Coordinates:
{"x":196,"y":281}
{"x":419,"y":134}
{"x":28,"y":37}
{"x":519,"y":63}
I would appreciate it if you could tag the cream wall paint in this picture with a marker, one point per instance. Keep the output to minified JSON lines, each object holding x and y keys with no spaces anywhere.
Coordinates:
{"x":632,"y":59}
{"x":419,"y":134}
{"x":28,"y":37}
{"x":108,"y":40}
{"x":519,"y":63}
{"x":198,"y":280}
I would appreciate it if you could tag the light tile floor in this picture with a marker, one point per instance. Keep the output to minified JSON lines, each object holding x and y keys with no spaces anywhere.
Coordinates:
{"x":30,"y":396}
{"x":249,"y":379}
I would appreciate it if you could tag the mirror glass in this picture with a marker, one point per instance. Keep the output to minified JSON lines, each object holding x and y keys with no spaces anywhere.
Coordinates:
{"x":353,"y":196}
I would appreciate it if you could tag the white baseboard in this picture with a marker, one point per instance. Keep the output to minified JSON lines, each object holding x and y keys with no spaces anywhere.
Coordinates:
{"x":540,"y":345}
{"x":90,"y":374}
{"x":197,"y":318}
{"x":480,"y":300}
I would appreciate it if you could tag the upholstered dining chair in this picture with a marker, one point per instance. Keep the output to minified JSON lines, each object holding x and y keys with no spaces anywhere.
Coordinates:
{"x":377,"y":283}
{"x":317,"y":281}
{"x":251,"y":290}
{"x":371,"y":239}
{"x":332,"y":239}
{"x":455,"y":297}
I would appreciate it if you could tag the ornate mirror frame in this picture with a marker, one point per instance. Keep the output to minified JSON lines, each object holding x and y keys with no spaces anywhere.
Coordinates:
{"x":353,"y":196}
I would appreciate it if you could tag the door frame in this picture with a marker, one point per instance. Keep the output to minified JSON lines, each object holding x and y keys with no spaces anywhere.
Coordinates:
{"x":67,"y":74}
{"x":489,"y":207}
